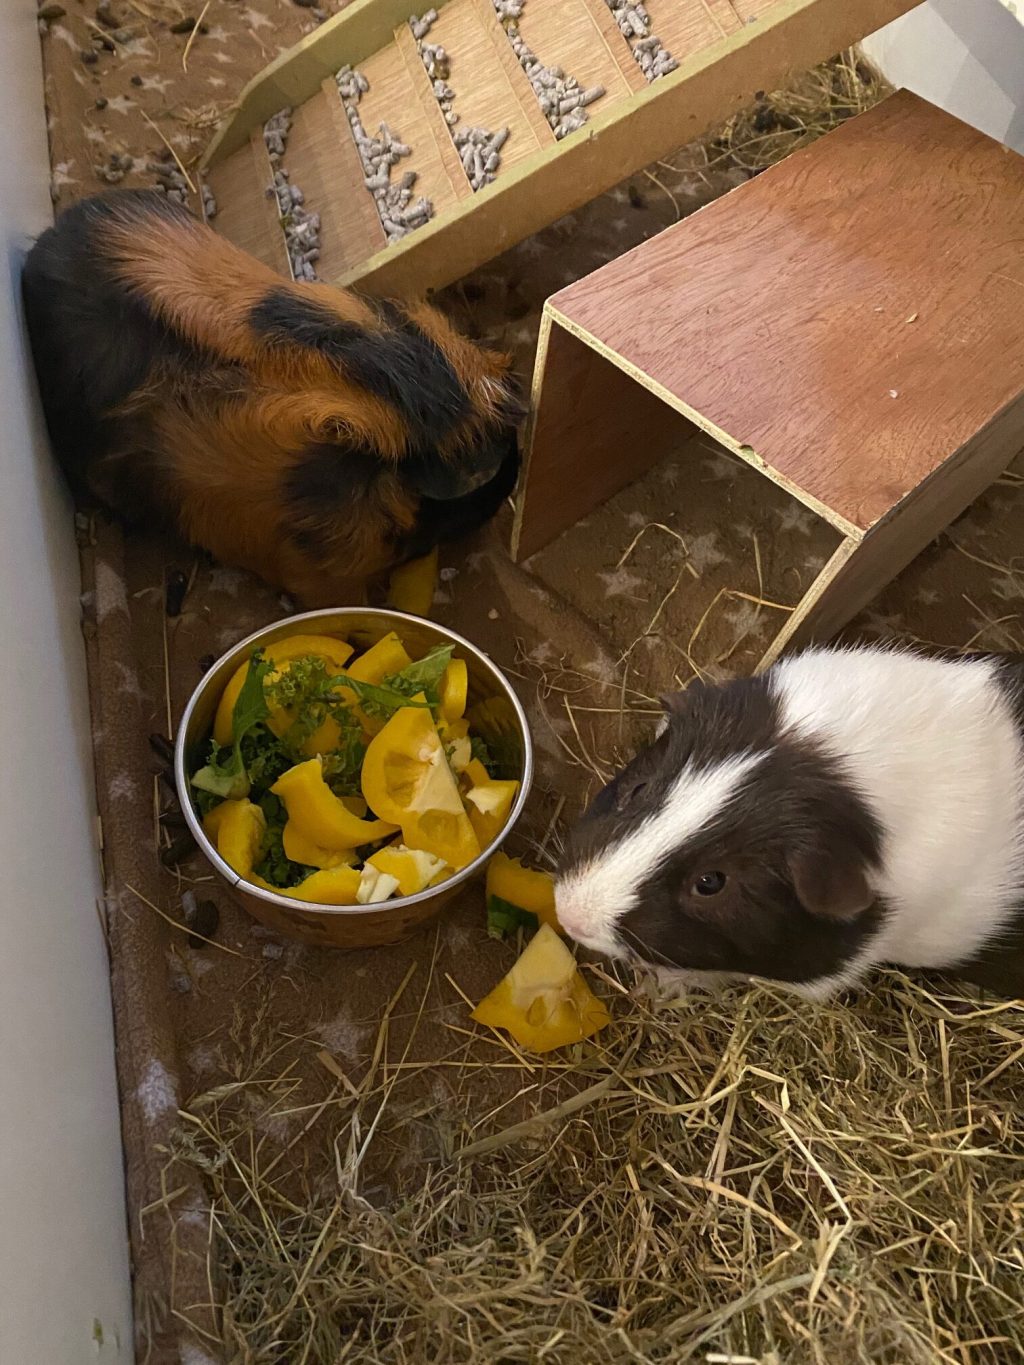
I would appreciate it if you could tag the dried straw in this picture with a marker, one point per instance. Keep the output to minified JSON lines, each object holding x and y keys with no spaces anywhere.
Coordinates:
{"x":745,"y":1177}
{"x":742,"y":1178}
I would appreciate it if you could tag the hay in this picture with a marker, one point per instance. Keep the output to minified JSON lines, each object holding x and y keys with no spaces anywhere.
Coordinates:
{"x":783,"y":121}
{"x":744,"y":1177}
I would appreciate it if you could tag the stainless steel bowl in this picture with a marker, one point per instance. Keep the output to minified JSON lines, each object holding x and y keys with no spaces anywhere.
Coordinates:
{"x":344,"y":926}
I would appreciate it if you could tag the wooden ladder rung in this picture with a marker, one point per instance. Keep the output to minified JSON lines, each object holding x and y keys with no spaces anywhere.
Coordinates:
{"x":432,"y":113}
{"x":618,"y":46}
{"x":518,"y":82}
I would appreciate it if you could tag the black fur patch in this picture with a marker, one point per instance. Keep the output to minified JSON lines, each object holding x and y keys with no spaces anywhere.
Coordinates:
{"x":711,"y":724}
{"x":95,"y":343}
{"x":400,"y":364}
{"x":325,"y":486}
{"x":794,"y":804}
{"x":439,"y":522}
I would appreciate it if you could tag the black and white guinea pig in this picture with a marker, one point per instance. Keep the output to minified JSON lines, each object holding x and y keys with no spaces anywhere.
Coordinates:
{"x":847,"y":808}
{"x":303,"y":432}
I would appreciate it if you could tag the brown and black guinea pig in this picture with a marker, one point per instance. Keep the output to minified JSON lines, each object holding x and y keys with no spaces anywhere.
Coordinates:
{"x":303,"y":432}
{"x":848,"y":808}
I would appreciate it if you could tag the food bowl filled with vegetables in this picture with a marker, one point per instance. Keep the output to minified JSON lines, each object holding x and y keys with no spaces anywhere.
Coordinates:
{"x":346,"y":771}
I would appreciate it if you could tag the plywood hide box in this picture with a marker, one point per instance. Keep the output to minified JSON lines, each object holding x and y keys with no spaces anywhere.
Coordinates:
{"x":727,"y":50}
{"x":850,"y":324}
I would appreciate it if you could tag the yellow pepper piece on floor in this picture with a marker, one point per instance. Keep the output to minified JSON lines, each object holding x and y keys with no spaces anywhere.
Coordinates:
{"x":335,"y":653}
{"x":336,"y":886}
{"x":298,"y":848}
{"x":406,"y":779}
{"x":454,"y":690}
{"x":524,"y":888}
{"x":238,"y":828}
{"x":489,"y":805}
{"x":413,"y":868}
{"x":413,"y":585}
{"x":544,"y":1002}
{"x":321,"y":816}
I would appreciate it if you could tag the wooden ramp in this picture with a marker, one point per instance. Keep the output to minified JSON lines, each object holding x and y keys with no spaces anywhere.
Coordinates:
{"x":723,"y":50}
{"x":849,"y":324}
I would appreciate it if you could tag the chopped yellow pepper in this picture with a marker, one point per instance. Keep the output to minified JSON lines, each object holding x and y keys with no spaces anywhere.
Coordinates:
{"x":454,"y":691}
{"x":452,"y":731}
{"x":375,"y":885}
{"x":299,"y":848}
{"x":489,"y":805}
{"x":406,"y":779}
{"x":387,"y":656}
{"x":413,"y":868}
{"x":448,"y":836}
{"x":404,"y":768}
{"x":238,"y":828}
{"x":335,"y":653}
{"x":544,"y":1002}
{"x":476,"y":772}
{"x":524,"y":888}
{"x":413,"y":585}
{"x":321,"y":816}
{"x":335,"y":886}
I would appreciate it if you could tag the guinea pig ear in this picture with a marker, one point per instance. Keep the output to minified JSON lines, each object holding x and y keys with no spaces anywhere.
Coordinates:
{"x":431,"y":476}
{"x":678,"y":703}
{"x":831,"y":881}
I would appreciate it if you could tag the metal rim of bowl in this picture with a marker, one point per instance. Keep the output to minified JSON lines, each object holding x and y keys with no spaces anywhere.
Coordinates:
{"x":374,"y":908}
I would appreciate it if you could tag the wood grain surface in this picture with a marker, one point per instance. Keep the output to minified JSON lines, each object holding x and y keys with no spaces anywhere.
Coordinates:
{"x":246,"y":214}
{"x":858,"y":571}
{"x":849,"y":319}
{"x":394,"y":98}
{"x":321,"y":157}
{"x":725,"y":50}
{"x":490,"y":92}
{"x":565,"y":35}
{"x":584,"y":408}
{"x":689,"y":26}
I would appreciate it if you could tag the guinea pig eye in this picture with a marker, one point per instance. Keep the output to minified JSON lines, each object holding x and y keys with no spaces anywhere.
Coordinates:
{"x":709,"y":884}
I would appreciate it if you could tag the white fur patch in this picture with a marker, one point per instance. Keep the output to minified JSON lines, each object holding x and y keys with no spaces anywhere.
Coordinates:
{"x":932,"y":748}
{"x":592,"y":898}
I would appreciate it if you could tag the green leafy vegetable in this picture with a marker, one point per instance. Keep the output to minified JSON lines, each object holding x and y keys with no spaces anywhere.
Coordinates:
{"x":265,"y":757}
{"x":343,"y":767}
{"x":379,"y":699}
{"x":310,"y":694}
{"x":274,"y":867}
{"x":227,"y":777}
{"x":504,"y":918}
{"x":479,"y":750}
{"x":205,"y":801}
{"x":424,"y":675}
